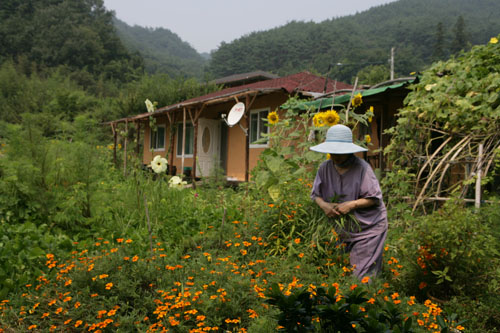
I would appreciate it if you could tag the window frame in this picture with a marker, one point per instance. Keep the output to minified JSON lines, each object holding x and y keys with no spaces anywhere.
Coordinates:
{"x":179,"y":140}
{"x":154,"y":134}
{"x":258,"y":112}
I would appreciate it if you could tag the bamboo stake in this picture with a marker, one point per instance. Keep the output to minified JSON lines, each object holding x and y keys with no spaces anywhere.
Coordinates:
{"x":427,"y":162}
{"x":350,"y":100}
{"x":429,"y":179}
{"x":477,"y":202}
{"x":149,"y":225}
{"x":446,"y":168}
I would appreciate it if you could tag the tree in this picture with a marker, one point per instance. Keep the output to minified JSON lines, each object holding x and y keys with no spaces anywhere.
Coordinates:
{"x":460,"y":40}
{"x":439,"y":43}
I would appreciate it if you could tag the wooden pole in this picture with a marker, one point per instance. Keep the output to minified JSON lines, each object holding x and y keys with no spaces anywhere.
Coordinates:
{"x":138,"y":137}
{"x":477,"y":202}
{"x":183,"y":138}
{"x":172,"y":142}
{"x":195,"y":151}
{"x":350,"y":100}
{"x":125,"y":150}
{"x":392,"y":63}
{"x":115,"y":139}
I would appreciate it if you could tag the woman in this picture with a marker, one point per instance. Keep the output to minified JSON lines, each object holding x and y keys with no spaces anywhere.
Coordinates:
{"x":346,"y":184}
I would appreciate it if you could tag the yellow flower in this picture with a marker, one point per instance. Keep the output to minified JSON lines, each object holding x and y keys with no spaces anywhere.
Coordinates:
{"x":318,"y":120}
{"x":273,"y":118}
{"x":357,"y":100}
{"x":368,"y":138}
{"x":370,"y":114}
{"x":331,"y":118}
{"x":493,"y":40}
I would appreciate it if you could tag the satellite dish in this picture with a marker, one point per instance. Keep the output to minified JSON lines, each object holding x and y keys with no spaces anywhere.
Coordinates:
{"x":235,"y":114}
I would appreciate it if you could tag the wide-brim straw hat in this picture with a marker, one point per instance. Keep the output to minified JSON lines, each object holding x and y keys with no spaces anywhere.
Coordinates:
{"x":338,"y":141}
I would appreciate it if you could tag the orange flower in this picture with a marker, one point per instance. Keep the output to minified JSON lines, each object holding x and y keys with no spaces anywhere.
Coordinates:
{"x":366,"y":279}
{"x":135,"y":258}
{"x":297,"y":240}
{"x":354,"y":286}
{"x":422,"y":285}
{"x":46,"y":314}
{"x":119,"y":240}
{"x":128,"y":241}
{"x":109,"y":285}
{"x":78,"y":323}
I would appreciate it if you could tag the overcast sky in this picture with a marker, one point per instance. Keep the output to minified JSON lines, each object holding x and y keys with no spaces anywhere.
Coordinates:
{"x":206,"y":23}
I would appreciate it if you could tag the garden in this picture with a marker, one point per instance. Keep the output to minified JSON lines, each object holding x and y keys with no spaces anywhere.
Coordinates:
{"x":84,"y":248}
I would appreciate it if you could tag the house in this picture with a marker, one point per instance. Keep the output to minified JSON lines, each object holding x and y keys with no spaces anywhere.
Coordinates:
{"x":195,"y":139}
{"x":386,"y":98}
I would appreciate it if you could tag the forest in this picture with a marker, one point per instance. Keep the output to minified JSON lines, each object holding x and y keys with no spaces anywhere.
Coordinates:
{"x":86,"y":246}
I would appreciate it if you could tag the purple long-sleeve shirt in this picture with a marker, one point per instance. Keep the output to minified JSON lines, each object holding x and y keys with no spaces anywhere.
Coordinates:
{"x":357,"y":182}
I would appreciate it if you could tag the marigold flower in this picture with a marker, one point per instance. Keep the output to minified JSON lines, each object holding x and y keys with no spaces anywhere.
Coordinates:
{"x":78,"y":323}
{"x":119,"y":240}
{"x":46,"y":314}
{"x":109,"y":285}
{"x":354,"y":286}
{"x":297,"y":240}
{"x":135,"y":258}
{"x":371,"y":300}
{"x":366,"y":279}
{"x":422,"y":285}
{"x":32,"y":327}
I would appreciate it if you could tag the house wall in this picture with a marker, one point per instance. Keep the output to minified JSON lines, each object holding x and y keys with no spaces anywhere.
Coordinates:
{"x":235,"y":167}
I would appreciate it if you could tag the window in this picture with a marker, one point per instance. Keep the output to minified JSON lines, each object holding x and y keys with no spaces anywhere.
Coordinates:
{"x":258,"y":127}
{"x":157,"y":138}
{"x":189,"y":148}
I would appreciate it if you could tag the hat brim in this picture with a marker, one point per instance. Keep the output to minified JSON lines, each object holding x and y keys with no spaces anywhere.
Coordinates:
{"x":338,"y":148}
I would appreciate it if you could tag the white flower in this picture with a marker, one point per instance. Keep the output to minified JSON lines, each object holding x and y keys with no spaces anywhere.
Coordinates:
{"x":159,"y":164}
{"x":149,"y":105}
{"x":176,"y":182}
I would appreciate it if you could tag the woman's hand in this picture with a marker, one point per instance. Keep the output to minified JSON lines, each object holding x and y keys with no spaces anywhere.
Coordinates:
{"x":329,"y":208}
{"x":346,"y":207}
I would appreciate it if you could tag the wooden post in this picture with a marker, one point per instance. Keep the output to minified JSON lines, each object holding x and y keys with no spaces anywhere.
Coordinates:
{"x":125,"y":150}
{"x":195,"y":150}
{"x":248,"y":104}
{"x":350,"y":100}
{"x":115,"y":139}
{"x":172,"y":141}
{"x":477,"y":202}
{"x":138,"y":138}
{"x":183,"y":139}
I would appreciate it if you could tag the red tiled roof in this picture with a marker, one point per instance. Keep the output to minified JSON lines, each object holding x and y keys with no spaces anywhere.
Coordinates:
{"x":300,"y":82}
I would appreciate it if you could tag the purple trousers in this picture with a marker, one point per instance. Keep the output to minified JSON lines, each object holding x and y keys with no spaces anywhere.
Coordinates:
{"x":366,"y":255}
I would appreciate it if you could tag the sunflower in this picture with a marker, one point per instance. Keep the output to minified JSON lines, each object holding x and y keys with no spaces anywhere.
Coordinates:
{"x":368,"y":138}
{"x":273,"y":118}
{"x":370,"y":114}
{"x":357,"y":100}
{"x":331,"y":118}
{"x":318,"y":120}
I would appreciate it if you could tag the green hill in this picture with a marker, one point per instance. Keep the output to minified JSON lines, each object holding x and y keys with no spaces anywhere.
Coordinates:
{"x":422,"y":31}
{"x":75,"y":34}
{"x":162,"y":50}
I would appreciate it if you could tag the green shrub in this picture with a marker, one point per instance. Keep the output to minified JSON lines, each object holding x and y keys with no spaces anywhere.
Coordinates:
{"x":452,"y":251}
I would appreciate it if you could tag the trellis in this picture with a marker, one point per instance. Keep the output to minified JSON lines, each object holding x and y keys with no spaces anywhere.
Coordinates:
{"x":475,"y":151}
